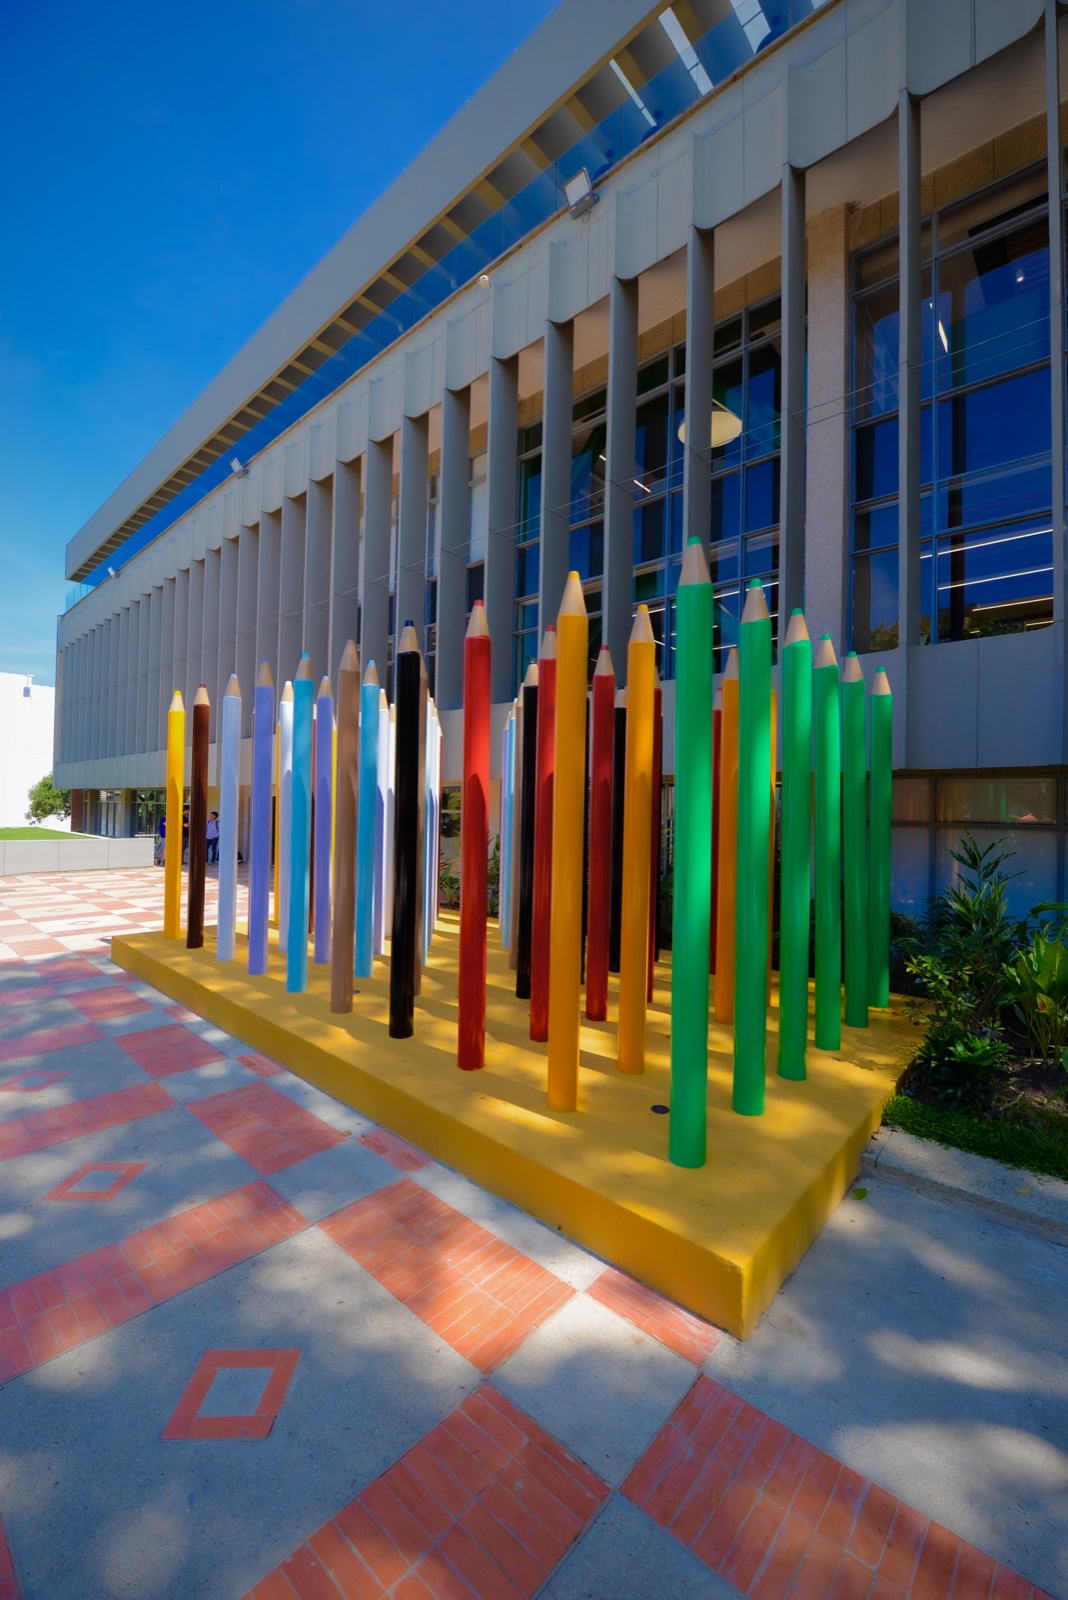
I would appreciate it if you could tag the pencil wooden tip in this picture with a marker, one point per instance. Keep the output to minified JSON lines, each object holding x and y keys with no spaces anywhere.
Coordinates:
{"x":383,"y":703}
{"x":880,"y":684}
{"x":324,"y":691}
{"x":350,"y":657}
{"x":304,"y":668}
{"x":756,"y":607}
{"x":201,"y":696}
{"x":642,"y":630}
{"x":286,"y":697}
{"x":621,"y":699}
{"x":604,"y":668}
{"x":851,"y":672}
{"x":409,"y":639}
{"x":548,"y":644}
{"x":694,"y":564}
{"x":731,"y":669}
{"x":530,"y":679}
{"x":717,"y":700}
{"x":370,"y":674}
{"x":177,"y":703}
{"x":263,"y":677}
{"x":233,"y":688}
{"x":825,"y":656}
{"x":573,"y":604}
{"x":477,"y":627}
{"x":796,"y":631}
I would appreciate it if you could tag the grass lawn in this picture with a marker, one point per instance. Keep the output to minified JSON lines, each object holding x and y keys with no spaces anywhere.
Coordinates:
{"x":1041,"y":1148}
{"x":40,"y":833}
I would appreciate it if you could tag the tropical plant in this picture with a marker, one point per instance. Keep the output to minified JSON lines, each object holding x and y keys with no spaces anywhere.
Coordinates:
{"x":47,"y":801}
{"x":493,"y":879}
{"x":449,"y":885}
{"x":1038,"y":985}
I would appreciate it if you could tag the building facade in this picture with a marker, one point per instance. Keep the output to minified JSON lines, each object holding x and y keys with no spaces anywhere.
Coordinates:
{"x":814,"y":314}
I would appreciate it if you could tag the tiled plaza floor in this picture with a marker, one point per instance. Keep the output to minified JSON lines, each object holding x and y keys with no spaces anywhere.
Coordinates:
{"x":250,"y":1344}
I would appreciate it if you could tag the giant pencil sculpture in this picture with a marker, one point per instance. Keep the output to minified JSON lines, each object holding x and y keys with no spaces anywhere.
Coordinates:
{"x":728,"y":843}
{"x":717,"y":726}
{"x":504,"y":895}
{"x":530,"y":718}
{"x":637,"y":828}
{"x":855,"y":840}
{"x":383,"y":825}
{"x":754,"y":824}
{"x":172,"y":847}
{"x":366,"y":823}
{"x":348,"y":795}
{"x":323,"y":812}
{"x":693,"y":866}
{"x":420,"y":836}
{"x":515,"y":833}
{"x":796,"y":867}
{"x":656,"y":822}
{"x":285,"y":812}
{"x":881,"y":707}
{"x":600,"y":880}
{"x":229,"y":790}
{"x":619,"y":790}
{"x":198,"y":818}
{"x":565,"y":954}
{"x":259,"y":849}
{"x":827,"y":741}
{"x":543,"y":837}
{"x":474,"y":843}
{"x":300,"y":828}
{"x":409,"y":782}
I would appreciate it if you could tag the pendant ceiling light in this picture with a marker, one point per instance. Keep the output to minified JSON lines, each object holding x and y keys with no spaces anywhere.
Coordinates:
{"x":726,"y":426}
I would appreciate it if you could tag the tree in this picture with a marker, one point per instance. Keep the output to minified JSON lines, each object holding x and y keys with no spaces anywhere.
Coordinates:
{"x":46,"y":801}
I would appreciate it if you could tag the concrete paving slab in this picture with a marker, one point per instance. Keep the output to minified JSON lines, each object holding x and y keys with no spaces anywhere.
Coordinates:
{"x":184,"y":1165}
{"x":95,"y":1503}
{"x":523,"y":1232}
{"x":143,"y":991}
{"x":214,"y":1078}
{"x":34,"y":1016}
{"x":219,"y":1040}
{"x":596,"y":1383}
{"x":322,"y":1184}
{"x":339,"y":1116}
{"x":625,"y":1556}
{"x":137,"y":1022}
{"x":88,"y":1070}
{"x":1011,"y":1195}
{"x":928,"y":1349}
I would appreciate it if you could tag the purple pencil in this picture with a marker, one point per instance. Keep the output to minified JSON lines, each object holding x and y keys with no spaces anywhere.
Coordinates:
{"x":324,"y":814}
{"x":259,"y":850}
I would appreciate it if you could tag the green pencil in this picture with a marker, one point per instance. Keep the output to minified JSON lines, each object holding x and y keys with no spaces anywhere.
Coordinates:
{"x":881,"y":705}
{"x":828,"y":752}
{"x":795,"y":887}
{"x":754,"y":826}
{"x":855,"y":841}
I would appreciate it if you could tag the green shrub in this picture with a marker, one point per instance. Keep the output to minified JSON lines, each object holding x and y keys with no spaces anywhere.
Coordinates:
{"x":1037,"y":982}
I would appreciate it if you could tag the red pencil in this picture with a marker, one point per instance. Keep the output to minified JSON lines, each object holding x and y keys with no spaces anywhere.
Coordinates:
{"x":543,"y":839}
{"x":654,"y":843}
{"x":717,"y":719}
{"x":474,"y":842}
{"x":600,"y":895}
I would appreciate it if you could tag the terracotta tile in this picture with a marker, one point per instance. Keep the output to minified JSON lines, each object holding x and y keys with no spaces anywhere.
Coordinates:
{"x":682,"y":1332}
{"x":398,"y":1152}
{"x":903,"y":1547}
{"x":765,"y":1454}
{"x":677,"y":1483}
{"x":817,"y":1570}
{"x":723,"y":1527}
{"x":396,"y":1521}
{"x":974,"y":1575}
{"x":839,"y":1519}
{"x":938,"y":1563}
{"x":500,"y":1544}
{"x":783,"y":1559}
{"x":262,"y":1065}
{"x":754,"y":1540}
{"x":740,"y":1437}
{"x":308,"y":1577}
{"x":437,"y":1578}
{"x":480,"y":1571}
{"x":276,"y":1587}
{"x":350,"y":1575}
{"x":718,"y":1420}
{"x":545,"y":1544}
{"x":696,"y":1405}
{"x":872,"y":1525}
{"x":816,"y":1489}
{"x":852,"y":1580}
{"x":264,"y":1127}
{"x":1009,"y":1585}
{"x":702,"y":1500}
{"x":788,"y":1476}
{"x":375,"y":1548}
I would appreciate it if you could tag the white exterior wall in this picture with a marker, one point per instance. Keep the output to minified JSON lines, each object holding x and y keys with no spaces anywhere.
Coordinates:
{"x":27,"y":716}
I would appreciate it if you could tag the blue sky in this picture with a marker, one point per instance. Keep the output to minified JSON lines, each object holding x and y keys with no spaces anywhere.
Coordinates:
{"x":169,"y":174}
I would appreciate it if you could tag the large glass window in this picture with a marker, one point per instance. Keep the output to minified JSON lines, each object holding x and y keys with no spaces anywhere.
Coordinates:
{"x":657,"y":490}
{"x":986,"y":540}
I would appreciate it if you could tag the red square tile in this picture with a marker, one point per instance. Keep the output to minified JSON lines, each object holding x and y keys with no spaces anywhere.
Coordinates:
{"x":186,"y":1423}
{"x":101,"y":1004}
{"x":398,"y":1152}
{"x":261,"y":1065}
{"x":125,"y":1172}
{"x":161,"y":1051}
{"x":264,"y":1127}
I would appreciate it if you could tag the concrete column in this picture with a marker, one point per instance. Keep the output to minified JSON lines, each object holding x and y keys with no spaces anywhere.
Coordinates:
{"x":345,"y":611}
{"x":269,"y":580}
{"x":248,"y":666}
{"x":166,"y":682}
{"x":121,"y":630}
{"x":411,"y":525}
{"x":557,"y":401}
{"x":792,"y":425}
{"x":229,"y":558}
{"x":827,"y":475}
{"x":133,"y":651}
{"x":151,"y":723}
{"x":97,"y":658}
{"x":291,"y":591}
{"x":700,"y":332}
{"x":618,"y":590}
{"x":910,"y":357}
{"x":112,"y":645}
{"x":181,"y":640}
{"x":194,"y":675}
{"x":317,"y":575}
{"x":450,"y":556}
{"x":374,"y":554}
{"x":209,"y":649}
{"x":502,"y":446}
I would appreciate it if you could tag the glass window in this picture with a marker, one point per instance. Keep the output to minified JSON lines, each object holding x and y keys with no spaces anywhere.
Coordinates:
{"x":998,"y":423}
{"x":586,"y":550}
{"x":1004,"y":800}
{"x":999,"y":581}
{"x":1035,"y":859}
{"x":528,"y":566}
{"x":993,"y":307}
{"x":910,"y":800}
{"x":651,"y":445}
{"x":762,"y":495}
{"x":875,"y":601}
{"x":726,"y":506}
{"x":530,"y":497}
{"x":981,"y":213}
{"x":876,"y":341}
{"x":476,"y":584}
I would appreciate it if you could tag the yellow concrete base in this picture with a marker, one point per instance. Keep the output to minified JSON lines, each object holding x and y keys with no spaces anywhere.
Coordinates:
{"x":719,"y":1241}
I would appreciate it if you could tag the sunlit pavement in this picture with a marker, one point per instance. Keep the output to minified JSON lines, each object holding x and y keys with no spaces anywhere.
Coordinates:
{"x":252,"y":1344}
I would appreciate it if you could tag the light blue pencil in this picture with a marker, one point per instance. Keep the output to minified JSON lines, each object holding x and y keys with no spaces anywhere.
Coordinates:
{"x":300,"y":828}
{"x":324,"y":816}
{"x":366,"y":823}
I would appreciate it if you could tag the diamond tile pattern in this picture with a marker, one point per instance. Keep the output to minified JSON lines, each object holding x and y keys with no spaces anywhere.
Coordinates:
{"x":186,"y":1423}
{"x":475,"y":1291}
{"x":485,"y":1505}
{"x":264,"y":1127}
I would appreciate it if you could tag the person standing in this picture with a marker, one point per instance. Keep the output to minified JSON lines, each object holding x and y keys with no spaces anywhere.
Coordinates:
{"x":213,"y":839}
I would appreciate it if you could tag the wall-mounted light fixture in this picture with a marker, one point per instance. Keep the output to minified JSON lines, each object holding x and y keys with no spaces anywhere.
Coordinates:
{"x":579,"y":194}
{"x":237,"y":469}
{"x":726,"y":426}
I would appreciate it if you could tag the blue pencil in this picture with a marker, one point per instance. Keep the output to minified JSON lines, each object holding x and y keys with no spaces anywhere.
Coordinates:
{"x":300,"y":828}
{"x":367,"y":823}
{"x":324,"y":813}
{"x":259,"y":850}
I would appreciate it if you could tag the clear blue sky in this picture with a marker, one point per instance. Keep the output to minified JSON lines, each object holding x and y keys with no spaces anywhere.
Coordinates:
{"x":169,"y":173}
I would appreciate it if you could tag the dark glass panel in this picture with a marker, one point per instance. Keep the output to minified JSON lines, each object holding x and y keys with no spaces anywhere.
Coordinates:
{"x":587,"y":471}
{"x":763,"y":400}
{"x":762,"y":495}
{"x":651,"y":446}
{"x":876,"y":339}
{"x":993,"y":307}
{"x":876,"y":460}
{"x":653,"y":376}
{"x":875,"y":529}
{"x":995,"y":583}
{"x":530,"y":498}
{"x":527,"y":568}
{"x":729,"y":389}
{"x":726,"y":507}
{"x":649,"y":532}
{"x":476,"y":584}
{"x":586,"y":550}
{"x":875,"y":601}
{"x":1021,"y":491}
{"x":1000,"y":423}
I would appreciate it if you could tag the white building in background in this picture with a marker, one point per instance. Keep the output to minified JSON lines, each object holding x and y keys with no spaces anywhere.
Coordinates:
{"x":27,"y":716}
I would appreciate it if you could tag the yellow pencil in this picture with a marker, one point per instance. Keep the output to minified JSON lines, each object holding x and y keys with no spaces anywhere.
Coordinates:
{"x":728,"y":844}
{"x":565,"y":947}
{"x":172,"y":846}
{"x":637,"y":824}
